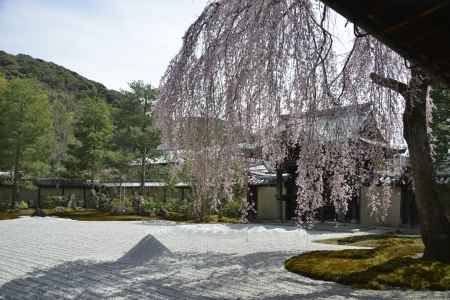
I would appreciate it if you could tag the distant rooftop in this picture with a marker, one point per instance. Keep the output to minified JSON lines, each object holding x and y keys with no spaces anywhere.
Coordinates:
{"x":338,"y":123}
{"x":74,"y":183}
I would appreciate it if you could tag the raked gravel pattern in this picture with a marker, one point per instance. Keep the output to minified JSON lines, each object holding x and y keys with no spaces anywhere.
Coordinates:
{"x":50,"y":258}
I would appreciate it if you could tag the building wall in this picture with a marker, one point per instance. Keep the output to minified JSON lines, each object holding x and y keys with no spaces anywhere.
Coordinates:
{"x":268,"y":205}
{"x":28,"y":195}
{"x":25,"y":194}
{"x":76,"y":193}
{"x":5,"y":197}
{"x":393,"y":217}
{"x":48,"y":195}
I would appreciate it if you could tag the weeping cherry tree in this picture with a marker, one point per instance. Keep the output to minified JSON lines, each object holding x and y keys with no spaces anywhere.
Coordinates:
{"x":245,"y":63}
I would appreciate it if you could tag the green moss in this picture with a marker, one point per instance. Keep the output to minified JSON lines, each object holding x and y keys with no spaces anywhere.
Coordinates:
{"x":209,"y":219}
{"x":95,"y":215}
{"x":14,"y":214}
{"x":213,"y":219}
{"x":8,"y":215}
{"x":390,"y":263}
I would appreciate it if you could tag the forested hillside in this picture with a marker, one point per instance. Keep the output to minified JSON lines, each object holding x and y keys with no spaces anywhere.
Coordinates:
{"x":52,"y":77}
{"x":56,"y":123}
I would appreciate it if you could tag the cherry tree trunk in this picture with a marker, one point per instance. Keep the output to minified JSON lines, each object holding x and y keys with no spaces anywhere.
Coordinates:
{"x":434,"y":225}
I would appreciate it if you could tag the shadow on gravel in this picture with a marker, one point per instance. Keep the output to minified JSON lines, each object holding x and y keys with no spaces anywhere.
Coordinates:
{"x":150,"y":271}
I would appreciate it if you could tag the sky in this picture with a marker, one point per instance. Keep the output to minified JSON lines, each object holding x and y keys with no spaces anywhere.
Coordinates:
{"x":110,"y":41}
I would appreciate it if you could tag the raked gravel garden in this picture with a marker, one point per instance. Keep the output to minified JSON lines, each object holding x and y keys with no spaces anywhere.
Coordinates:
{"x":52,"y":258}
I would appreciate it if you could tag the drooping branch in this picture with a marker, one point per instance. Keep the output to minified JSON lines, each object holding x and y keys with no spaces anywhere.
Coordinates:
{"x":244,"y":64}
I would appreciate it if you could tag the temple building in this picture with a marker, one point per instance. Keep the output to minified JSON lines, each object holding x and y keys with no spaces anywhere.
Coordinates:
{"x":273,"y":191}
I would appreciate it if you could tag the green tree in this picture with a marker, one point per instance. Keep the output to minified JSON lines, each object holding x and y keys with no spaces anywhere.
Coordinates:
{"x":26,"y":131}
{"x":63,"y":114}
{"x":135,"y":137}
{"x":3,"y":83}
{"x":441,"y":122}
{"x":93,"y":132}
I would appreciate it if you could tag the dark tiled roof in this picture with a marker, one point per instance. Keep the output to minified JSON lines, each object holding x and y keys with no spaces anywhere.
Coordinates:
{"x":64,"y":183}
{"x":77,"y":183}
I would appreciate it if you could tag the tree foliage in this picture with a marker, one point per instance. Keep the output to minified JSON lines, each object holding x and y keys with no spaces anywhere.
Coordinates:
{"x":26,"y":130}
{"x":93,"y":132}
{"x":441,"y":123}
{"x":3,"y":83}
{"x":52,"y":76}
{"x":64,"y":116}
{"x":67,"y":92}
{"x":134,"y":134}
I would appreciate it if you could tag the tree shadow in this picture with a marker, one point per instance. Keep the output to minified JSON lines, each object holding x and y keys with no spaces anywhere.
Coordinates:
{"x":405,"y":273}
{"x":151,"y":271}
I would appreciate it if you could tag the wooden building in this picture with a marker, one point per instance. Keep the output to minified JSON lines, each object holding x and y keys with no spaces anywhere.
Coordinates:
{"x":83,"y":192}
{"x":65,"y":190}
{"x":273,"y":193}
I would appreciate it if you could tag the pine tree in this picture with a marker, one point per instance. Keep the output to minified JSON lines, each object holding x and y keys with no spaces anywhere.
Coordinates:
{"x":93,"y":132}
{"x":135,"y":137}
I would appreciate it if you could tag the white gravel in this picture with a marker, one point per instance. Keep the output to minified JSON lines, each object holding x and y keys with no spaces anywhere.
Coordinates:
{"x":63,"y":259}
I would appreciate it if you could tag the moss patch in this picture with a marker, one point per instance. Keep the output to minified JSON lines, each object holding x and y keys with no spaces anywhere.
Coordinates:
{"x":95,"y":215}
{"x":10,"y":215}
{"x":391,"y":263}
{"x":210,"y":219}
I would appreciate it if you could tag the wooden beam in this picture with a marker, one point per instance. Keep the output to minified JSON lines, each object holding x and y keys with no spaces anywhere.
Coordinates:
{"x":414,"y":19}
{"x":421,"y":38}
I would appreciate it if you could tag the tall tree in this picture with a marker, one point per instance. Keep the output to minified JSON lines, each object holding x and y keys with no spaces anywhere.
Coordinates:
{"x":135,"y":137}
{"x":434,"y":225}
{"x":247,"y":62}
{"x":63,"y":108}
{"x":93,"y":132}
{"x":26,"y":131}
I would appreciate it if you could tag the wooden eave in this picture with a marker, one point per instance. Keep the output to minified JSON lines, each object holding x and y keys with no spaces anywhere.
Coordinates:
{"x":419,"y":30}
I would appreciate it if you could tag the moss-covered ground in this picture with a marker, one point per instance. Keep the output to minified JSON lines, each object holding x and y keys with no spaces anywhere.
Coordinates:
{"x":392,"y":262}
{"x":95,"y":215}
{"x":9,"y":215}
